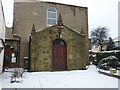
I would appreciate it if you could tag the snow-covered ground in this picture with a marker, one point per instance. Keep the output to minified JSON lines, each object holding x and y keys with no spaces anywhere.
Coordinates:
{"x":62,"y":79}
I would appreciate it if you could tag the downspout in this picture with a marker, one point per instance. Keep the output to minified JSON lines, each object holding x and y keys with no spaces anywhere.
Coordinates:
{"x":2,"y":42}
{"x":18,"y":48}
{"x":29,"y":51}
{"x":4,"y":52}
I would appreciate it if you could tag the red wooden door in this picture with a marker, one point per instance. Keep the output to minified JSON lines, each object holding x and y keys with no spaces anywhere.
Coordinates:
{"x":59,"y":61}
{"x":7,"y":58}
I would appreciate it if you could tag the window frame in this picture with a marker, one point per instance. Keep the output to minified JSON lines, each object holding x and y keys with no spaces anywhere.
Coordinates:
{"x":51,"y":18}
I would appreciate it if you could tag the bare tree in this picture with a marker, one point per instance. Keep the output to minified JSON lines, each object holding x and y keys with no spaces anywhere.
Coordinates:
{"x":99,"y":36}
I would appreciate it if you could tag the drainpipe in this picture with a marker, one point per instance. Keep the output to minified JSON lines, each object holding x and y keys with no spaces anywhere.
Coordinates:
{"x":29,"y":52}
{"x":1,"y":48}
{"x":18,"y":48}
{"x":2,"y":41}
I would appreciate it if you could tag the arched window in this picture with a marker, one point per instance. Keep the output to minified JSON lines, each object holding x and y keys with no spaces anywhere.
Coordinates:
{"x":51,"y":16}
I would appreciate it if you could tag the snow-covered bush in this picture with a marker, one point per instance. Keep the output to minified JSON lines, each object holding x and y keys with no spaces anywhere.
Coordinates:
{"x":92,"y":57}
{"x":108,"y":62}
{"x":104,"y":54}
{"x":17,"y":75}
{"x":117,"y":48}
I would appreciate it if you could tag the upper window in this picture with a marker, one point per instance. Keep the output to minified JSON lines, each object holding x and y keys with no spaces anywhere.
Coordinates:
{"x":51,"y":16}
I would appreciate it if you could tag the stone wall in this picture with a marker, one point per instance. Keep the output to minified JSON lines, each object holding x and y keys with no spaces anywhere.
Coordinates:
{"x":41,"y":48}
{"x":75,"y":17}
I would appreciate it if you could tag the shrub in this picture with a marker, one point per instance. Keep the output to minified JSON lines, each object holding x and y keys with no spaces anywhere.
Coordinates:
{"x":108,"y":62}
{"x":101,"y":55}
{"x":116,"y":48}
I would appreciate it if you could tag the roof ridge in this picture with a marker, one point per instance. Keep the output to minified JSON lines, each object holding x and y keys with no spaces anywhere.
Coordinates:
{"x":50,"y":2}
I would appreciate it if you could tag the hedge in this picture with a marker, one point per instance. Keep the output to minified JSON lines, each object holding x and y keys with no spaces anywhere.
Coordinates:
{"x":101,"y":55}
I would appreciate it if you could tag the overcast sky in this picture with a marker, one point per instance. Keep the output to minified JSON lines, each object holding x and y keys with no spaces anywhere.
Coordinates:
{"x":100,"y":13}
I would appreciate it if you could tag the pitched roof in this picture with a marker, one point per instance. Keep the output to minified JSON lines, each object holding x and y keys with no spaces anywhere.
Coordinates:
{"x":64,"y":26}
{"x":49,"y":1}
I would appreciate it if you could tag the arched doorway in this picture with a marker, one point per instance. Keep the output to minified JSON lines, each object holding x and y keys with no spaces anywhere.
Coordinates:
{"x":59,"y":61}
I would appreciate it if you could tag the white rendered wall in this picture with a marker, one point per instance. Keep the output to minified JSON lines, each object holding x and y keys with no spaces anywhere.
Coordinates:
{"x":2,"y":35}
{"x":119,"y":21}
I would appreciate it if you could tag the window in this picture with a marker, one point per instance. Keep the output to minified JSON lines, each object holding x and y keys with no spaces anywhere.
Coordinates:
{"x":96,"y":46}
{"x":51,"y":16}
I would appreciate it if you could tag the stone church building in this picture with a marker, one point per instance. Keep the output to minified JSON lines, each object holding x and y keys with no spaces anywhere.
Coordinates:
{"x":53,"y":35}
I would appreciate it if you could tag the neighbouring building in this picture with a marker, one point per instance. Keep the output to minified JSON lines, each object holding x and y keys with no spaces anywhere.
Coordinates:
{"x":45,"y":41}
{"x":97,"y":47}
{"x":2,"y":36}
{"x":117,"y":43}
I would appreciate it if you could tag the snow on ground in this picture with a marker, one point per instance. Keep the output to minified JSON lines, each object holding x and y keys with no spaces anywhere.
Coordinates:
{"x":62,"y":79}
{"x":108,"y":71}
